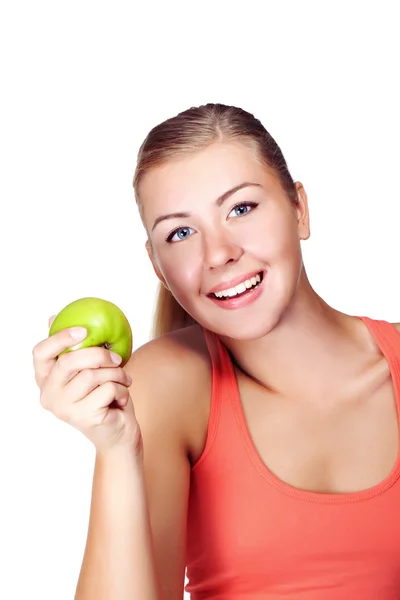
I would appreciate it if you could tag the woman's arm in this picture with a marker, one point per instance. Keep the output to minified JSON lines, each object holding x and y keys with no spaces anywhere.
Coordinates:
{"x":137,"y":528}
{"x":119,"y":561}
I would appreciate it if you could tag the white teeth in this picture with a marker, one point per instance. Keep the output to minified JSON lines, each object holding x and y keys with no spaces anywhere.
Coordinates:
{"x":239,"y":289}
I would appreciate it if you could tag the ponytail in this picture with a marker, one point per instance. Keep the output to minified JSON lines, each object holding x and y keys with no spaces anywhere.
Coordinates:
{"x":169,"y":314}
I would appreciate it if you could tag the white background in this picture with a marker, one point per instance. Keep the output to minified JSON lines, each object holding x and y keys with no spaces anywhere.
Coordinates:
{"x":82,"y":84}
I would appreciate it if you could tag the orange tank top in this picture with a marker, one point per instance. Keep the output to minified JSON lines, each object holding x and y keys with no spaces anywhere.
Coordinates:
{"x":251,"y":536}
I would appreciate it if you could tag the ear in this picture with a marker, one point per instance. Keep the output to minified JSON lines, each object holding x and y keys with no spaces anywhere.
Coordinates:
{"x":303,"y":217}
{"x":154,"y":263}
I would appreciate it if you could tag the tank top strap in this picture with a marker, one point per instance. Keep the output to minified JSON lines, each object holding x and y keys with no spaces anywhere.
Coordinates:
{"x":223,"y":419}
{"x":223,"y":371}
{"x":388,"y":339}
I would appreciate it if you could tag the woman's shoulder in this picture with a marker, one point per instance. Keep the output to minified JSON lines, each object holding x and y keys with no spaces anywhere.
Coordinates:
{"x":186,"y":346}
{"x":173,"y":372}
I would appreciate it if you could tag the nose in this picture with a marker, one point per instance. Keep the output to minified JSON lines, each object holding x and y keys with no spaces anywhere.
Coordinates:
{"x":220,"y":249}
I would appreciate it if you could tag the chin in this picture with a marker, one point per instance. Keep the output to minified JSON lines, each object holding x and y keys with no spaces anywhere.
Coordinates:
{"x":245,"y":324}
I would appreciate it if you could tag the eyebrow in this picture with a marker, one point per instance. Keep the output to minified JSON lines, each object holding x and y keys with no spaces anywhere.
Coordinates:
{"x":219,"y":202}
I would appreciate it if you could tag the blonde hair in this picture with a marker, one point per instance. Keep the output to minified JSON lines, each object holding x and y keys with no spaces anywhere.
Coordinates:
{"x":188,"y":132}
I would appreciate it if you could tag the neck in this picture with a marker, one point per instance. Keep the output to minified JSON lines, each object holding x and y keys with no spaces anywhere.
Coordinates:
{"x":305,"y":351}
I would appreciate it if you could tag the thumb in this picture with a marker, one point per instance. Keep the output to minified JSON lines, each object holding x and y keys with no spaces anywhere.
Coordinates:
{"x":51,"y":320}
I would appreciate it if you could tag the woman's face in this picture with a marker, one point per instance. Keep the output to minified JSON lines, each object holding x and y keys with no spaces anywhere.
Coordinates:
{"x":203,"y":235}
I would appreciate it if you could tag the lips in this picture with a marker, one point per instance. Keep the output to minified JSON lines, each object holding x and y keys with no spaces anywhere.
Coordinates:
{"x":243,"y":300}
{"x":226,"y":285}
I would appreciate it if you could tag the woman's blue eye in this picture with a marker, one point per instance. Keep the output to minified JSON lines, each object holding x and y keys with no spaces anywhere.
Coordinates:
{"x":243,"y":205}
{"x":177,"y":232}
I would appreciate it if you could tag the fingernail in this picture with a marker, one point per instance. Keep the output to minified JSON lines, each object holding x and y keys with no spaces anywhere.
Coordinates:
{"x":115,"y":358}
{"x":78,"y":333}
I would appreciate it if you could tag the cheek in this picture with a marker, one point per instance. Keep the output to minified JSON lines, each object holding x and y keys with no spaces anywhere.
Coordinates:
{"x":272,"y":239}
{"x":181,"y":270}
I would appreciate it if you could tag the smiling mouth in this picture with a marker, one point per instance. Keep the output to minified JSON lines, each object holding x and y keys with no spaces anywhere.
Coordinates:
{"x":234,"y":293}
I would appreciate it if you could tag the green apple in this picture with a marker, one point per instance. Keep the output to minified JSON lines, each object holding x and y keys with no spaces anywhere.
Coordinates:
{"x":106,"y":324}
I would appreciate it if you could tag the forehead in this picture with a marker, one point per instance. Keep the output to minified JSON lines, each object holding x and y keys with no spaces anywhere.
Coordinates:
{"x":202,"y":176}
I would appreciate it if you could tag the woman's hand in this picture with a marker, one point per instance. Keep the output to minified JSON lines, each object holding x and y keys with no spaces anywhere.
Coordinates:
{"x":86,"y":389}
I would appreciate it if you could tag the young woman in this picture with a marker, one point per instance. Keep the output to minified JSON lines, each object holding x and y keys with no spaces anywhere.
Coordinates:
{"x":257,"y":443}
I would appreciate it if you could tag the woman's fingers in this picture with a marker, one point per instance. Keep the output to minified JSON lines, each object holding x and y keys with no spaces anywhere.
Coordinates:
{"x":89,"y":379}
{"x":45,"y":353}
